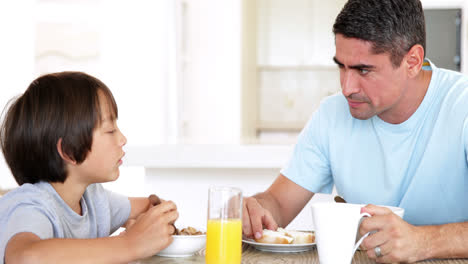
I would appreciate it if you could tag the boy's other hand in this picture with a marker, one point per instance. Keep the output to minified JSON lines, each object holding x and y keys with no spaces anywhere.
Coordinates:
{"x":154,"y":199}
{"x":152,"y":231}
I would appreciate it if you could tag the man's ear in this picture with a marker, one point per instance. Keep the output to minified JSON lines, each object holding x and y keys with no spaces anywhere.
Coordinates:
{"x":414,"y":60}
{"x":62,"y":154}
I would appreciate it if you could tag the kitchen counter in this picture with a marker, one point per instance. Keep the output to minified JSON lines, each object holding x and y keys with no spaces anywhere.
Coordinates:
{"x":208,"y":156}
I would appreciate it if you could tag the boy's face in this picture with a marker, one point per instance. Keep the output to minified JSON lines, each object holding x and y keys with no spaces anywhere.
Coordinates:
{"x":103,"y":161}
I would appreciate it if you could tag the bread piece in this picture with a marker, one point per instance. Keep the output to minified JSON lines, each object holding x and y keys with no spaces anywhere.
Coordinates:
{"x":299,"y":237}
{"x":274,"y":237}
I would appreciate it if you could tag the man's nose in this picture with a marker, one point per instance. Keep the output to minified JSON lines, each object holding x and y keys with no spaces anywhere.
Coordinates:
{"x":349,"y":83}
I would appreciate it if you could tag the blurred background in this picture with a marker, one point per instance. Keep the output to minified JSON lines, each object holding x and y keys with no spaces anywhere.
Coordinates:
{"x":209,"y":92}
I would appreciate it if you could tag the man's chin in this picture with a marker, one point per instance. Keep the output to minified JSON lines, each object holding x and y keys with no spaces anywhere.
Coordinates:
{"x":361,"y":115}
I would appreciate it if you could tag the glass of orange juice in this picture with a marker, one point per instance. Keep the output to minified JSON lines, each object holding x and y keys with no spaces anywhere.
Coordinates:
{"x":224,"y":226}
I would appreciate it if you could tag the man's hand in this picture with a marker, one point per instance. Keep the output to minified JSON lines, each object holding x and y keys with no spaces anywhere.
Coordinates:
{"x":255,"y":217}
{"x":398,"y":240}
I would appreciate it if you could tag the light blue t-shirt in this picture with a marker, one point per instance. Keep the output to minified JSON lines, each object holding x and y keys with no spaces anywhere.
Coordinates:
{"x":420,"y":164}
{"x":37,"y":208}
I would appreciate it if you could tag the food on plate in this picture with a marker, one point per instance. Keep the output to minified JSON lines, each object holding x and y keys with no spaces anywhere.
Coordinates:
{"x":188,"y":231}
{"x":274,"y":237}
{"x":299,"y":237}
{"x":283,"y":236}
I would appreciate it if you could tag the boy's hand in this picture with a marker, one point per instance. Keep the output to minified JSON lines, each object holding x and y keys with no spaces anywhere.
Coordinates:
{"x":155,"y":200}
{"x":152,"y":231}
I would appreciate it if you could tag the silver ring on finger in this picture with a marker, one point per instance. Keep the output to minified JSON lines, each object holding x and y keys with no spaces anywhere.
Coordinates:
{"x":378,"y":252}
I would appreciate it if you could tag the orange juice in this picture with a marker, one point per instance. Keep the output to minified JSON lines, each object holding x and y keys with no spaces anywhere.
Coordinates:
{"x":223,"y":241}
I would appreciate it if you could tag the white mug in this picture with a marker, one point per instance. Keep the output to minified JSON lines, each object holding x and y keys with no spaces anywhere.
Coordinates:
{"x":336,"y":227}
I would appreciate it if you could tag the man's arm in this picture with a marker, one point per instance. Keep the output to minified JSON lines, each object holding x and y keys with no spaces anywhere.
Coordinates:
{"x":400,"y":241}
{"x":284,"y":199}
{"x":278,"y":205}
{"x":447,"y":241}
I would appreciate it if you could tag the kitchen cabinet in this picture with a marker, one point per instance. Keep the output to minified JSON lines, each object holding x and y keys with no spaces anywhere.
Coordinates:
{"x":293,"y":66}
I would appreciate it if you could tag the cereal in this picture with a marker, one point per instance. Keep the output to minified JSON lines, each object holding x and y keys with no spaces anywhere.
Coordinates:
{"x":188,"y":231}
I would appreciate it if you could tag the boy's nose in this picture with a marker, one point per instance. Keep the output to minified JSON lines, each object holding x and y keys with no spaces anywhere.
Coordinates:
{"x":123,"y":139}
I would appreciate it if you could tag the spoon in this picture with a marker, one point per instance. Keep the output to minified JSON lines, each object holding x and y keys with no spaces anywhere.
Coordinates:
{"x":339,"y":199}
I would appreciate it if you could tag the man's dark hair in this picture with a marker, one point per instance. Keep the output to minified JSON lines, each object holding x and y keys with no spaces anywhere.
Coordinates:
{"x":59,"y":105}
{"x":392,"y":26}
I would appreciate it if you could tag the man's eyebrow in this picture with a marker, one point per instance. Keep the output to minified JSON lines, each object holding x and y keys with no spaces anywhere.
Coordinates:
{"x":357,"y":66}
{"x":337,"y":61}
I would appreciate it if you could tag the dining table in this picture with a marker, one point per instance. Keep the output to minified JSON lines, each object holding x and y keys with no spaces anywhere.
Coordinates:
{"x":253,"y":255}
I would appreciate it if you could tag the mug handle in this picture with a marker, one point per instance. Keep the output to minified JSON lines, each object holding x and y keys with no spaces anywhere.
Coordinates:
{"x":364,"y":236}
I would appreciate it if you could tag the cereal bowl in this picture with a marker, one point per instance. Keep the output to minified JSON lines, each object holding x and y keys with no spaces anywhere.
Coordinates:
{"x":184,"y":246}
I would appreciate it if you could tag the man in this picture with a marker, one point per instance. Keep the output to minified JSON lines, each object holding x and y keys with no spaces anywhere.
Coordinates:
{"x":398,"y":135}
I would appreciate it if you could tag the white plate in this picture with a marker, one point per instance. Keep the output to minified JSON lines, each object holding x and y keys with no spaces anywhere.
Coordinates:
{"x":286,"y":248}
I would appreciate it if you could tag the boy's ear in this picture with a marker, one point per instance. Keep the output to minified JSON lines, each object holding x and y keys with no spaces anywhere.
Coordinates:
{"x":64,"y":155}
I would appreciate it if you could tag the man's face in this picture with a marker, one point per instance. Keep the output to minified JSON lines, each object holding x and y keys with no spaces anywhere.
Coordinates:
{"x":368,"y":81}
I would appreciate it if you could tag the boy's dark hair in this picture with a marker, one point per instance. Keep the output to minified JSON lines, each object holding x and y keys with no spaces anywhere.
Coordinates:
{"x":59,"y":105}
{"x":392,"y":26}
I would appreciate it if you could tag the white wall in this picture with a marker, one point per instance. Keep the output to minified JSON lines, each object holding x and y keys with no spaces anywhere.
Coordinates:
{"x":135,"y":63}
{"x":443,"y":3}
{"x":132,"y":48}
{"x":188,"y":188}
{"x":211,"y":88}
{"x":16,"y":64}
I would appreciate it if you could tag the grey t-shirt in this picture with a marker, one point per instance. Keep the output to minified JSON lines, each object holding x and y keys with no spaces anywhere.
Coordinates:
{"x":38,"y":209}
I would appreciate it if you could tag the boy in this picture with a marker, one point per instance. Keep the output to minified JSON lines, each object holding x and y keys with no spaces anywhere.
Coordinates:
{"x":61,"y":140}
